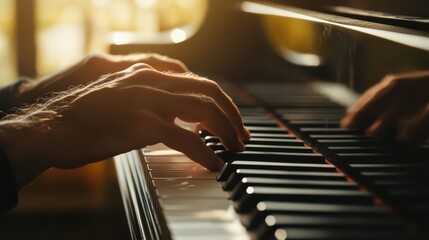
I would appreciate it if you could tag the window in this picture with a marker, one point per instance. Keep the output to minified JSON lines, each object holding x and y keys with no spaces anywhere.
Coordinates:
{"x":7,"y":53}
{"x":66,"y":30}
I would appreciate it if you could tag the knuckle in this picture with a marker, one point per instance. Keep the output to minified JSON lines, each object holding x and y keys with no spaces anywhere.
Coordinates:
{"x":179,"y":65}
{"x":145,"y":73}
{"x":393,"y":81}
{"x":213,"y":87}
{"x":204,"y":103}
{"x":208,"y":103}
{"x":140,"y":66}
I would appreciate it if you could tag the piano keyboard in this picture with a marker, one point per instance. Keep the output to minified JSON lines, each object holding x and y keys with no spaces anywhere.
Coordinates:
{"x":300,"y":177}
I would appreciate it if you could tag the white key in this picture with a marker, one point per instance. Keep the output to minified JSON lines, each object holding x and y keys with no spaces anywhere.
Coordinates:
{"x":184,"y":175}
{"x":189,"y":188}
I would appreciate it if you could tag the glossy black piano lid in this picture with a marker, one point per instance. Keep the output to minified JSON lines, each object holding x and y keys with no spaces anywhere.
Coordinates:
{"x":235,"y":45}
{"x":342,"y":44}
{"x":414,"y":8}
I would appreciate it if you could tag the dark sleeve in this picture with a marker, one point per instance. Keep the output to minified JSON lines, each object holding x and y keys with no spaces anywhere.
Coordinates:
{"x":8,"y":190}
{"x":6,"y":94}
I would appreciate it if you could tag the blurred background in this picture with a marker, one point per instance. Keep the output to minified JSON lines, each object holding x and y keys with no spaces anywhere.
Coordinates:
{"x":53,"y":34}
{"x":41,"y":36}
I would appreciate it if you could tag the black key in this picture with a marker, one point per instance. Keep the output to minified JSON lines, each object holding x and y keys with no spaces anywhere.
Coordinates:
{"x":338,"y":136}
{"x":277,"y":148}
{"x":231,"y":167}
{"x":338,"y":222}
{"x":215,"y":146}
{"x":361,"y":149}
{"x":263,"y":141}
{"x":306,"y":104}
{"x":287,"y":118}
{"x":402,"y":184}
{"x":418,"y":209}
{"x":204,"y":133}
{"x":271,"y":141}
{"x":211,"y":139}
{"x":312,"y":116}
{"x":273,"y":135}
{"x":410,"y":196}
{"x":352,"y":158}
{"x":266,"y":129}
{"x":271,"y":156}
{"x":241,"y":173}
{"x":265,"y":148}
{"x":352,"y":142}
{"x":325,"y":111}
{"x":254,"y":110}
{"x":265,"y":208}
{"x":314,"y":124}
{"x":397,"y":176}
{"x":409,"y":168}
{"x":246,"y":182}
{"x":260,"y":123}
{"x":250,"y":117}
{"x":336,"y":131}
{"x":253,"y":195}
{"x":293,"y":233}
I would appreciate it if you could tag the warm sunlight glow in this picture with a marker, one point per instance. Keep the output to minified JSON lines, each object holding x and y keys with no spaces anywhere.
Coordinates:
{"x":7,"y":52}
{"x":178,"y":35}
{"x":145,"y":3}
{"x":121,"y":38}
{"x":68,"y":29}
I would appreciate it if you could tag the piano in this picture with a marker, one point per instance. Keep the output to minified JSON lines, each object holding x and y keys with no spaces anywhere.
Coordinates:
{"x":293,"y":68}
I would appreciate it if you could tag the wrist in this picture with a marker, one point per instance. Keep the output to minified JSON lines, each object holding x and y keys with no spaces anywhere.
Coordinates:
{"x":22,"y":148}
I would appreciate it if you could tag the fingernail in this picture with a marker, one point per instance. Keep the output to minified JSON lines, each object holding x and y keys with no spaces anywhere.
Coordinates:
{"x":247,"y":133}
{"x":348,"y":123}
{"x":344,"y":122}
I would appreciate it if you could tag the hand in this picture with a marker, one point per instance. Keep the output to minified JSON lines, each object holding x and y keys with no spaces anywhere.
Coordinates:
{"x":122,"y":111}
{"x":398,"y":104}
{"x":90,"y":69}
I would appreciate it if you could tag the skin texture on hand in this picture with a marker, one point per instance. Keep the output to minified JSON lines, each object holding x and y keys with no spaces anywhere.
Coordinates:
{"x":119,"y":112}
{"x":398,"y":106}
{"x":90,"y":69}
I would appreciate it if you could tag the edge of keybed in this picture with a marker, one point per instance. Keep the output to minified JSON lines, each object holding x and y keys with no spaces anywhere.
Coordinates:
{"x":138,"y":204}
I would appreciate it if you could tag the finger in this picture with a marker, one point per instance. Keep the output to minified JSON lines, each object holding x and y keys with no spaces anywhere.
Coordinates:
{"x":417,"y":129}
{"x":192,"y":84}
{"x":208,"y":113}
{"x":369,"y":106}
{"x":388,"y":120}
{"x":171,"y":105}
{"x":190,"y":144}
{"x":146,"y":128}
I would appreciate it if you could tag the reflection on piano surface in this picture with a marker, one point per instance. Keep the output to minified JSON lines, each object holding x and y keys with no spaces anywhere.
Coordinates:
{"x":301,"y":175}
